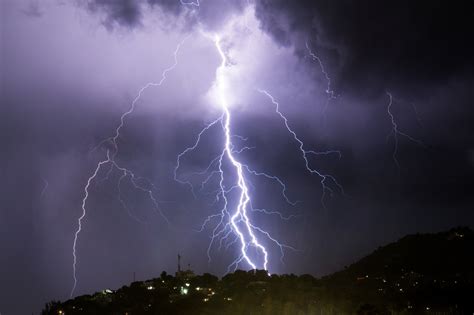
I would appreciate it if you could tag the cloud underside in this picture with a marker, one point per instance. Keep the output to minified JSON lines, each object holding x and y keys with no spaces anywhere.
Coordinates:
{"x":368,"y":46}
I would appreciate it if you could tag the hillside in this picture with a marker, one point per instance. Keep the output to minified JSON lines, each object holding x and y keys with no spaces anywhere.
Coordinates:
{"x":442,"y":254}
{"x":423,"y":273}
{"x":419,"y":272}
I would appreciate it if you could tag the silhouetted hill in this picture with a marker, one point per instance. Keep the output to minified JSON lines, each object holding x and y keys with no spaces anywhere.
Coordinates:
{"x":444,"y":254}
{"x":423,"y":272}
{"x":419,"y":274}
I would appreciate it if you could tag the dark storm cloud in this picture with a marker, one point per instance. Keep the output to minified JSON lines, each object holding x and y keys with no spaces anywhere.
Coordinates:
{"x":118,"y":12}
{"x":377,"y":44}
{"x":129,"y":13}
{"x":418,"y":50}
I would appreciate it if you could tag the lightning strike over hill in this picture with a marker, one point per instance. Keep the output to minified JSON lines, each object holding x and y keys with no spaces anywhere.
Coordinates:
{"x":136,"y":130}
{"x":234,"y":224}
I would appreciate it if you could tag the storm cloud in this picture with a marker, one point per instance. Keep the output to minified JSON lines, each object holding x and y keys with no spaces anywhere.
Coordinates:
{"x":130,"y":13}
{"x":368,"y":45}
{"x":378,"y":45}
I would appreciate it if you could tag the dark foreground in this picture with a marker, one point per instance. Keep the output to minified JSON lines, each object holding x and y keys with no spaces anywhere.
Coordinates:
{"x":419,"y":274}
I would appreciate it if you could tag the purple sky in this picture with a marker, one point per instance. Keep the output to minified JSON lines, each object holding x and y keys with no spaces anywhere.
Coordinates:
{"x":69,"y":69}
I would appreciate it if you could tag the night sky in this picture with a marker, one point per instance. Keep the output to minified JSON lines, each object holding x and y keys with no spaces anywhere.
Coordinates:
{"x":70,"y":69}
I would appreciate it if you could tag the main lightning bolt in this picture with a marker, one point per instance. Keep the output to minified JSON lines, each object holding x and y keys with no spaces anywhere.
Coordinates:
{"x":241,"y":212}
{"x":234,"y":221}
{"x":109,"y":159}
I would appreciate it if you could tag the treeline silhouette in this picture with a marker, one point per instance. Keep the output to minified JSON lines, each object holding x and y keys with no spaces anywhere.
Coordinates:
{"x":419,"y":274}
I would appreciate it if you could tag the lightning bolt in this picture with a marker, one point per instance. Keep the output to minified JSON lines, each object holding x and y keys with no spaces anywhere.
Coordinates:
{"x":126,"y":173}
{"x":395,"y":132}
{"x":325,"y":179}
{"x":417,"y":115}
{"x":329,"y":92}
